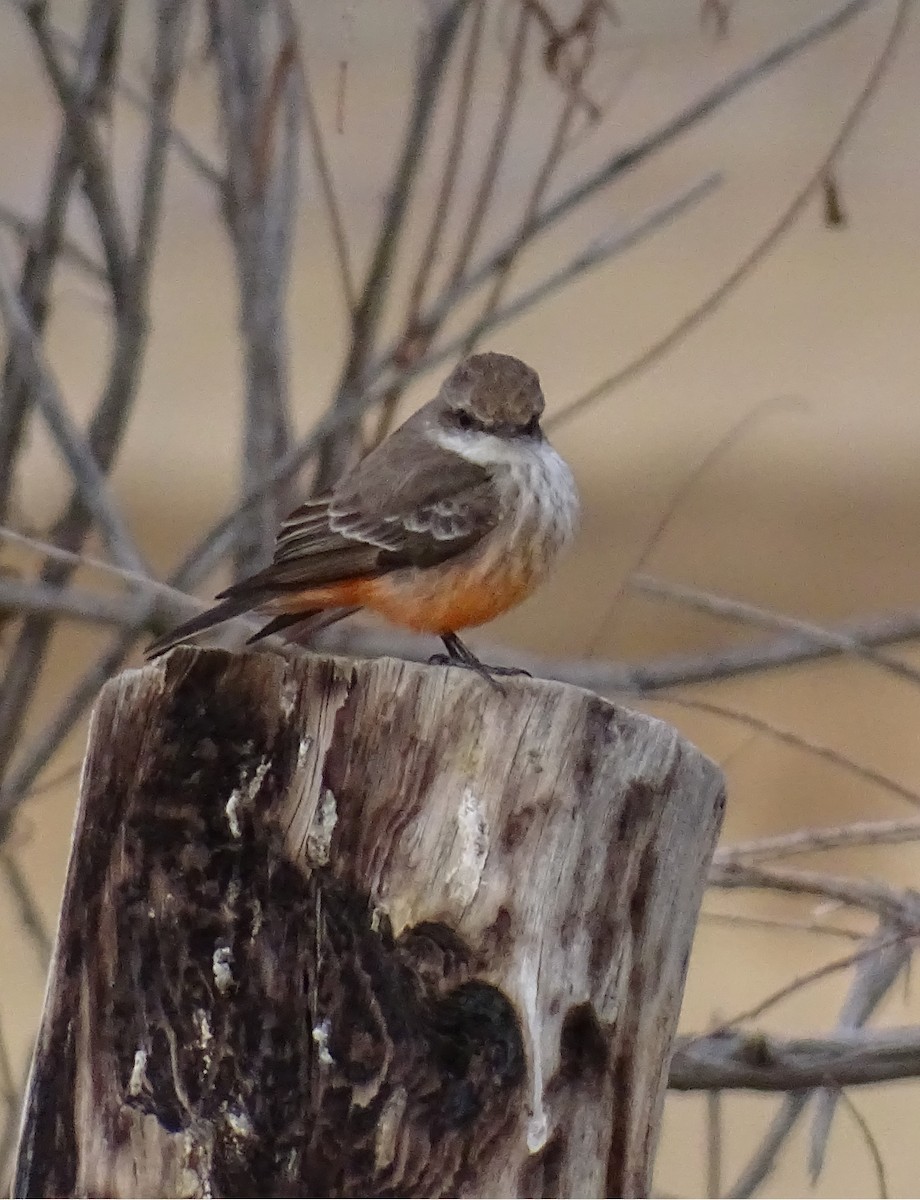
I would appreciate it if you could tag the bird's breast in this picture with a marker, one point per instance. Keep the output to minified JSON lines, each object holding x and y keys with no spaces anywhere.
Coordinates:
{"x":539,"y":514}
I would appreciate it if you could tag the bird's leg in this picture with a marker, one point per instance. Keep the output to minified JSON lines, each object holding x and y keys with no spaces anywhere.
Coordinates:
{"x":460,"y":655}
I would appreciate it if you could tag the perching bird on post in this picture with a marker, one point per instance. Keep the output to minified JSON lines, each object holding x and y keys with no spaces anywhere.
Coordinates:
{"x":453,"y":519}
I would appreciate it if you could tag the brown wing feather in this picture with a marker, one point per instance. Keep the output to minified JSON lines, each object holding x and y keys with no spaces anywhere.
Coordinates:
{"x":408,"y":503}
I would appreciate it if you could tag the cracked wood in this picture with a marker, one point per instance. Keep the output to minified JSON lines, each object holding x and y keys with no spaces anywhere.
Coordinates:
{"x":343,"y":928}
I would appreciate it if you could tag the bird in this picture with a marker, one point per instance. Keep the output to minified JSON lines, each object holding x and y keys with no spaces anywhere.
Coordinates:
{"x":454,"y":518}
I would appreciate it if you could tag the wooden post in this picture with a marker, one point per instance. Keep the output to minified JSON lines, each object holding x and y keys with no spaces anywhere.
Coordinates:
{"x":341,"y":928}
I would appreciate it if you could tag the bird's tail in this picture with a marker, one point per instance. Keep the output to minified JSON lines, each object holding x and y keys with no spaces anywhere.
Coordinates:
{"x":206,"y":620}
{"x":302,"y":626}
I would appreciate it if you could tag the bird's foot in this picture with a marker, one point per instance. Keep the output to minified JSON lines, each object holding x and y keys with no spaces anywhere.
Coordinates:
{"x":459,"y":655}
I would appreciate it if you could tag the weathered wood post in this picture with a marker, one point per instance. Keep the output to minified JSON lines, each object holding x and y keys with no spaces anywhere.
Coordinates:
{"x":341,"y":928}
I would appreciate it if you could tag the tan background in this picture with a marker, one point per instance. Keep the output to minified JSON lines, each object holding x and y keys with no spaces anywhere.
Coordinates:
{"x":814,"y":512}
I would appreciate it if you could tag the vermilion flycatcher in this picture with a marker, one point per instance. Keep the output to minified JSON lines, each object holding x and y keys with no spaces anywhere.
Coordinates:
{"x":454,"y":518}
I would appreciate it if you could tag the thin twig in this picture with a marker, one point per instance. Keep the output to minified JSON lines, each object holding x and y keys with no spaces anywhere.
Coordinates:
{"x":779,"y":923}
{"x":714,"y":1143}
{"x":172,"y":27}
{"x":327,"y":186}
{"x":871,"y":1144}
{"x":790,"y":650}
{"x":586,"y":21}
{"x":60,"y":777}
{"x":718,"y":450}
{"x":11,"y":1098}
{"x":90,"y":480}
{"x":808,"y":841}
{"x":595,"y":255}
{"x":786,"y":736}
{"x":142,"y":100}
{"x":30,"y":916}
{"x":752,"y":614}
{"x":763,"y":1161}
{"x":629,"y":158}
{"x":97,"y":178}
{"x":92,"y":74}
{"x":28,"y":231}
{"x":416,"y":338}
{"x":870,"y":950}
{"x":780,"y":227}
{"x":175,"y":604}
{"x":260,"y":108}
{"x":651,"y":678}
{"x":873,"y":979}
{"x":899,"y":906}
{"x":495,"y":154}
{"x":18,"y":783}
{"x":452,"y":157}
{"x":128,"y":281}
{"x":335,"y":452}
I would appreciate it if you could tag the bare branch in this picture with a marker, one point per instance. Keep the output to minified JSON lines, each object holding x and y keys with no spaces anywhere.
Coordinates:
{"x":763,"y":1161}
{"x":29,"y":231}
{"x":336,"y":451}
{"x":416,"y":339}
{"x":91,"y":482}
{"x":808,"y":841}
{"x":901,"y":907}
{"x":888,"y":938}
{"x":629,"y":158}
{"x":30,"y":917}
{"x":593,"y":256}
{"x":586,"y":21}
{"x":871,"y":1144}
{"x":261,"y":117}
{"x":92,"y":74}
{"x":173,"y":603}
{"x":873,"y":979}
{"x":785,"y":651}
{"x":714,"y":1143}
{"x":452,"y":157}
{"x":785,"y":222}
{"x":650,"y":678}
{"x":62,"y":776}
{"x":109,"y":419}
{"x":173,"y":18}
{"x":779,"y":923}
{"x":21,"y":596}
{"x":606,"y":678}
{"x":97,"y":179}
{"x":763,"y":1063}
{"x":497,"y":147}
{"x":326,"y":181}
{"x":738,"y":610}
{"x":142,"y":100}
{"x":18,"y":783}
{"x":836,"y":757}
{"x":11,"y":1098}
{"x":675,"y":503}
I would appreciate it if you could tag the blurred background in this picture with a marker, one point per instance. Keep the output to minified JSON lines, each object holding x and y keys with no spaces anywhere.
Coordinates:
{"x":756,"y":438}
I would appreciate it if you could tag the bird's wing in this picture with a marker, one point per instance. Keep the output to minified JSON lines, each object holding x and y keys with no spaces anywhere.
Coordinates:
{"x":409,"y":503}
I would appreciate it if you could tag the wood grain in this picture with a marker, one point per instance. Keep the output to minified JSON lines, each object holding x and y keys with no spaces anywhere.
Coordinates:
{"x":341,"y":928}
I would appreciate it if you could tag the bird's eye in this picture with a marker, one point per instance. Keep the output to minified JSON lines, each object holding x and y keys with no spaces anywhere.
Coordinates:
{"x":464,"y":419}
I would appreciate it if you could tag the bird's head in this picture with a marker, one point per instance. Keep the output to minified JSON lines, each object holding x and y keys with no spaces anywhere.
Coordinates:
{"x":493,"y":393}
